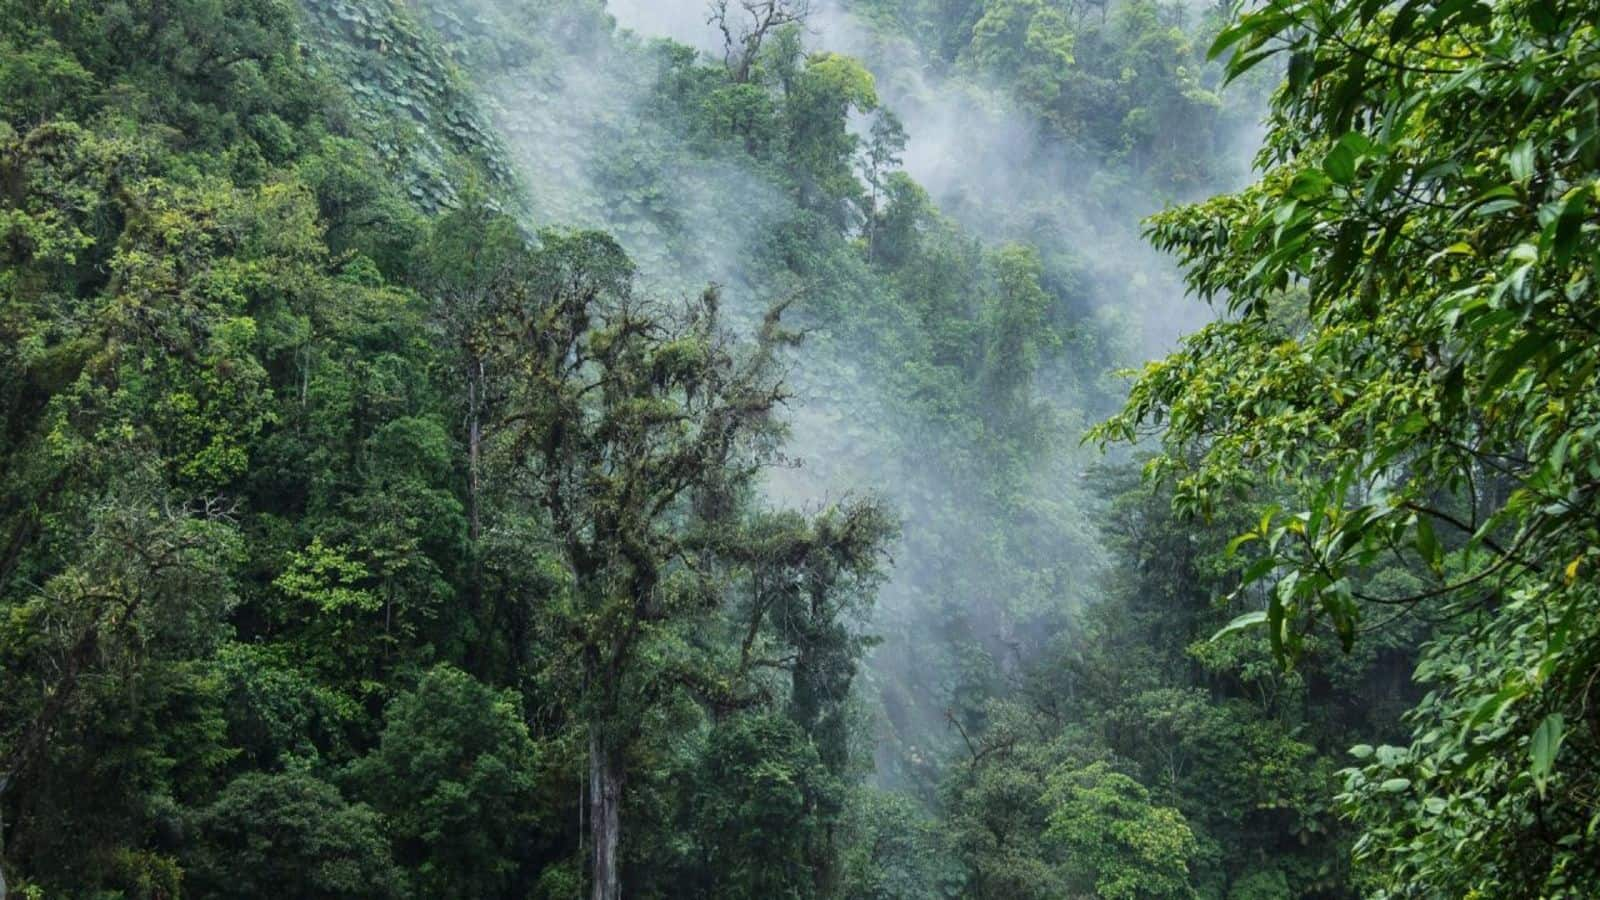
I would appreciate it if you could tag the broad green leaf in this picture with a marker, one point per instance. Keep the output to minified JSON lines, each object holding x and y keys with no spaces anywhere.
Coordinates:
{"x":1240,"y":623}
{"x":1428,"y":546}
{"x":1544,"y":746}
{"x":1507,"y":363}
{"x":1568,"y":225}
{"x":1239,"y":541}
{"x":1489,"y":707}
{"x":1340,"y":163}
{"x":1520,"y":160}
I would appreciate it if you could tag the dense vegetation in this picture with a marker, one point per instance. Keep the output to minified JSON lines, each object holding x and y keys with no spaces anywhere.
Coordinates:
{"x":1410,"y":371}
{"x":465,"y":449}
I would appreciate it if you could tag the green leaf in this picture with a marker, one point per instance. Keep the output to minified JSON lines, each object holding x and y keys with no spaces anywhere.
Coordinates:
{"x":1308,"y":185}
{"x":1240,"y":623}
{"x":1498,"y":205}
{"x":1395,"y":785}
{"x":1340,"y":163}
{"x":1428,"y":546}
{"x":1260,"y":27}
{"x":1405,"y":19}
{"x":1520,"y":160}
{"x":1240,"y":541}
{"x":1277,"y":620}
{"x":1542,"y":16}
{"x":1544,"y":746}
{"x":1489,"y":707}
{"x":1258,"y":570}
{"x":1569,"y":224}
{"x":1228,"y":37}
{"x":1509,"y":362}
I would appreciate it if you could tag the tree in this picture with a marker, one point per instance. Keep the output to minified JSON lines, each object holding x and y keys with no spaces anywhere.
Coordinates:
{"x":290,"y":834}
{"x":879,"y":160}
{"x":473,"y":261}
{"x":1115,"y":842}
{"x":147,"y":580}
{"x":756,"y":809}
{"x":811,"y":580}
{"x":810,"y":583}
{"x":453,"y":775}
{"x":746,"y":25}
{"x":821,"y":90}
{"x":1411,"y":359}
{"x":471,"y":269}
{"x":630,"y":419}
{"x":997,"y":820}
{"x":1015,"y":335}
{"x":895,"y":850}
{"x":1027,"y":42}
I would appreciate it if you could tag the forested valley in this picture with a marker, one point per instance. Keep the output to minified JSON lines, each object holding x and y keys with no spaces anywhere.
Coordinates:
{"x":871,"y":449}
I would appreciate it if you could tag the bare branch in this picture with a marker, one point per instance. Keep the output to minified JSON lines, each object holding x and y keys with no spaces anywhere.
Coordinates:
{"x":745,"y":26}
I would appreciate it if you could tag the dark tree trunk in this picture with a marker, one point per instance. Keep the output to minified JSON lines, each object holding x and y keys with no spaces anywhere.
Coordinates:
{"x":5,"y":781}
{"x":605,"y":817}
{"x":475,"y":390}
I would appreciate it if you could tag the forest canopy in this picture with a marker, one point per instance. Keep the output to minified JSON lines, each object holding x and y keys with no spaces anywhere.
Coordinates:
{"x":548,"y":448}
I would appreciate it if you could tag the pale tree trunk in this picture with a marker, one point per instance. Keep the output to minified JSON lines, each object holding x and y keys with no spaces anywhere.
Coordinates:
{"x":605,"y":817}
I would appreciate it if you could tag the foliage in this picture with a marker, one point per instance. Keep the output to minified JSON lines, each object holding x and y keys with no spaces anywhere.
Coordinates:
{"x":364,"y":531}
{"x":423,"y":118}
{"x":896,"y":851}
{"x":761,"y":782}
{"x":453,"y":773}
{"x":1409,"y":362}
{"x":1122,"y":82}
{"x":289,"y":833}
{"x":1113,"y":839}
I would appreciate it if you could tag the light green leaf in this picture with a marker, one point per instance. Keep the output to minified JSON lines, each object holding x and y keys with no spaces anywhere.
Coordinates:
{"x":1239,"y":541}
{"x":1543,"y":748}
{"x":1248,"y":620}
{"x":1520,"y":161}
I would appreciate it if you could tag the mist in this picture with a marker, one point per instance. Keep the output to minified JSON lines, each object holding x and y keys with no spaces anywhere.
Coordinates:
{"x":580,"y":121}
{"x":990,"y":166}
{"x":689,"y":449}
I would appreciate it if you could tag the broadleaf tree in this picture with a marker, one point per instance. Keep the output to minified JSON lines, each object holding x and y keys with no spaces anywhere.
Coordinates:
{"x":1407,"y":363}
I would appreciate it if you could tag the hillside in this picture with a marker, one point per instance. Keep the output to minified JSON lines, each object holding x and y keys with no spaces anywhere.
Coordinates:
{"x":860,"y":449}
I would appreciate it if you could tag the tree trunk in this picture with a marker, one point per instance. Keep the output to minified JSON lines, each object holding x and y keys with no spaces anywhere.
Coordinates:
{"x":5,"y":782}
{"x":475,"y":404}
{"x":475,"y":389}
{"x":605,"y":817}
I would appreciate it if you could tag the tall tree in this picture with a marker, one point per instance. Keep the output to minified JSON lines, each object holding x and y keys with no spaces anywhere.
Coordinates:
{"x":629,"y":419}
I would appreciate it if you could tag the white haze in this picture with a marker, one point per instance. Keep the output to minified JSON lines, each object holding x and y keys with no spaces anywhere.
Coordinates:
{"x":988,"y":165}
{"x":684,"y":21}
{"x":575,"y":127}
{"x":569,"y":127}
